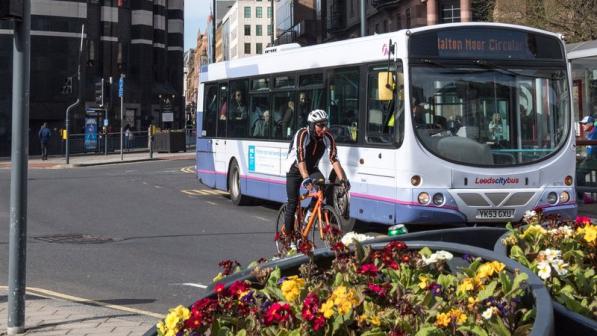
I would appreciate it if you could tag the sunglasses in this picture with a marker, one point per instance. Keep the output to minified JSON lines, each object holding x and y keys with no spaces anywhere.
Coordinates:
{"x":322,"y":125}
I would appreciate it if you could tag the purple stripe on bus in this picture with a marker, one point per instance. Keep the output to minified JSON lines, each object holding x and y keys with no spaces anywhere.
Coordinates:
{"x":396,"y":201}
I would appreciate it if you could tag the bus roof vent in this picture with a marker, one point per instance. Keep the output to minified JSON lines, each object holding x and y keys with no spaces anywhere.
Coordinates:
{"x":281,"y":48}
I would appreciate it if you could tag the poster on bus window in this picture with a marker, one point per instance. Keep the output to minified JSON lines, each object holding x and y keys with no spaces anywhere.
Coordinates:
{"x":265,"y":160}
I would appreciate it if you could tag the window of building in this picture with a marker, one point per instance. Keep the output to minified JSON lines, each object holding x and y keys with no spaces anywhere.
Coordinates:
{"x":259,"y":48}
{"x":343,"y":105}
{"x":269,"y":30}
{"x":258,"y":30}
{"x":407,"y":14}
{"x":247,"y":12}
{"x":449,"y":11}
{"x":247,"y":48}
{"x":398,"y":22}
{"x":269,"y":12}
{"x":247,"y":30}
{"x":259,"y":12}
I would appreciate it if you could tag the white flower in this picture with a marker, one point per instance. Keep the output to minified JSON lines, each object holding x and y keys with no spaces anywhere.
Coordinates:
{"x":552,"y":255}
{"x":430,"y":260}
{"x":566,"y":231}
{"x":528,"y":215}
{"x":437,"y":256}
{"x":443,"y":255}
{"x":560,"y":266}
{"x":488,"y":313}
{"x":350,"y":236}
{"x":543,"y":270}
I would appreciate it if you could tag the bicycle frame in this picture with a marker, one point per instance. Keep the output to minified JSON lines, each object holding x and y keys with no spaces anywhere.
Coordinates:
{"x":316,"y":210}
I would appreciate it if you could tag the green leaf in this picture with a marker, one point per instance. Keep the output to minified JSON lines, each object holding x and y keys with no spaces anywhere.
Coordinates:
{"x":487,"y":292}
{"x":505,"y":282}
{"x":295,"y":332}
{"x":572,"y":304}
{"x":446,"y":280}
{"x":498,"y":327}
{"x":359,"y":250}
{"x":523,"y":330}
{"x":529,"y":316}
{"x":475,"y":329}
{"x":425,"y":251}
{"x":242,"y":332}
{"x":517,"y":254}
{"x":373,"y":333}
{"x":518,"y":279}
{"x":428,"y":331}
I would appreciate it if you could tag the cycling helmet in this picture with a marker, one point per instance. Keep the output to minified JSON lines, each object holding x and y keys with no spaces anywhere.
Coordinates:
{"x":317,"y":116}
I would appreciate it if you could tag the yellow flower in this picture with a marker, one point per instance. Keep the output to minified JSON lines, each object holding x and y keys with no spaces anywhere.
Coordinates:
{"x":533,"y":230}
{"x":442,"y":320}
{"x":344,"y":299}
{"x":590,"y":232}
{"x":424,"y":281}
{"x":466,"y":285}
{"x":291,"y":287}
{"x":374,"y":320}
{"x":175,"y":316}
{"x":458,"y":316}
{"x":471,"y":303}
{"x":484,"y":271}
{"x":497,"y":266}
{"x":327,"y":308}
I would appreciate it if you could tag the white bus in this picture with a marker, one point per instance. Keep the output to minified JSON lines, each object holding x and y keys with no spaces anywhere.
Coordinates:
{"x":485,"y":135}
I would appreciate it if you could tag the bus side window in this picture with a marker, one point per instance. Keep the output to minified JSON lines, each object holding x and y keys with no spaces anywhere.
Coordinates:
{"x":344,"y":104}
{"x":238,"y":115}
{"x":210,"y":114}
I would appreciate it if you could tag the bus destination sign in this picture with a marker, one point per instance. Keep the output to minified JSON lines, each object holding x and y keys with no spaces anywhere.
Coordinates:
{"x":486,"y":43}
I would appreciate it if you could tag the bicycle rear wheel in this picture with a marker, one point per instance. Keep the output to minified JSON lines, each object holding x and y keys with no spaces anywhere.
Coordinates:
{"x":280,"y":219}
{"x":329,"y":217}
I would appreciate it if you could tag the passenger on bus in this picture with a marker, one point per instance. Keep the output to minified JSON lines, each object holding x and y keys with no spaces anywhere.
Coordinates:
{"x":497,"y":128}
{"x":288,"y":120}
{"x":264,"y":126}
{"x":238,"y":110}
{"x":302,"y":109}
{"x":589,"y":162}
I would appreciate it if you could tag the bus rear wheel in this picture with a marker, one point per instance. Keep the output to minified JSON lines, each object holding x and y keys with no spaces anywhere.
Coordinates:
{"x":234,"y":185}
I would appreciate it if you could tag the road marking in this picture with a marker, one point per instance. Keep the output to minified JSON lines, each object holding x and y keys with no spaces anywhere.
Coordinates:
{"x":203,"y":192}
{"x":188,"y":170}
{"x":76,"y":299}
{"x":211,"y":203}
{"x":263,"y":219}
{"x":157,"y":186}
{"x":190,"y":284}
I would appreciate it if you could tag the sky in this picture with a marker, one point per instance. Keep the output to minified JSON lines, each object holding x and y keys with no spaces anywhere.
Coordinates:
{"x":195,"y":19}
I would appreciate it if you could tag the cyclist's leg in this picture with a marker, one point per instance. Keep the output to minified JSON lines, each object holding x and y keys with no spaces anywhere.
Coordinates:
{"x":293,"y":184}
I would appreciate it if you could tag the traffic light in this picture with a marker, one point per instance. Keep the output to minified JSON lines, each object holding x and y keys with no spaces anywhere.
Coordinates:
{"x":11,"y":10}
{"x":99,"y":93}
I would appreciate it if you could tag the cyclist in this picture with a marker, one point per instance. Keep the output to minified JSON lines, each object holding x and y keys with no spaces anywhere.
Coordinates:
{"x":305,"y":150}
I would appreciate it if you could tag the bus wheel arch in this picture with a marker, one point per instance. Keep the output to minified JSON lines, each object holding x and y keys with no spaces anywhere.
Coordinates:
{"x":233,"y":184}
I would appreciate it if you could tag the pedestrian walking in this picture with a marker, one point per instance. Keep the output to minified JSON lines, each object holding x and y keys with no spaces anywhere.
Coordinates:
{"x":44,"y":137}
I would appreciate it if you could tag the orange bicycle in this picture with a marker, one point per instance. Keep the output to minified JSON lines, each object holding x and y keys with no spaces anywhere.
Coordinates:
{"x":322,"y":219}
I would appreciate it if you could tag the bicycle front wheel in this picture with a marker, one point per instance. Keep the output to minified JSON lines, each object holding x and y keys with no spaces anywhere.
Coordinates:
{"x":331,"y":224}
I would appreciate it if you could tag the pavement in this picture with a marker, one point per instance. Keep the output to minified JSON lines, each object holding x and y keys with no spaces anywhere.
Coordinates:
{"x":51,"y":314}
{"x":85,"y":160}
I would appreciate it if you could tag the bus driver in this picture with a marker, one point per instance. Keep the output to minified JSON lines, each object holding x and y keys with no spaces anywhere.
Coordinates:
{"x":305,"y":151}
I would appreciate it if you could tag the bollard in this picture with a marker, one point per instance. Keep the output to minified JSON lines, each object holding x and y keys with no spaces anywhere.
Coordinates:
{"x":396,"y":230}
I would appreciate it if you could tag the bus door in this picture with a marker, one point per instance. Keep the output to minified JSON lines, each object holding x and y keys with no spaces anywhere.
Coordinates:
{"x":376,"y":165}
{"x":206,"y":168}
{"x":220,"y":143}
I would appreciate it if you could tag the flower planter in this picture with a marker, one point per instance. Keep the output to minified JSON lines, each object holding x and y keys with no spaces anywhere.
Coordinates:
{"x":543,"y":323}
{"x":566,"y":322}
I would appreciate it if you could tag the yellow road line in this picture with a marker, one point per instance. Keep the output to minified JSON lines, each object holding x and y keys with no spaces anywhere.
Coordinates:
{"x":188,"y":170}
{"x":203,"y":192}
{"x":76,"y":299}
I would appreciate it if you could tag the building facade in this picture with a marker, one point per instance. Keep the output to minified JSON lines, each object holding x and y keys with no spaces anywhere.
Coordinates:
{"x":299,"y":21}
{"x":140,"y":39}
{"x":246,"y":29}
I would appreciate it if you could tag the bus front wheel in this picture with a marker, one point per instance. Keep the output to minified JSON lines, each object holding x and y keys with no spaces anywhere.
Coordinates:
{"x":234,"y":185}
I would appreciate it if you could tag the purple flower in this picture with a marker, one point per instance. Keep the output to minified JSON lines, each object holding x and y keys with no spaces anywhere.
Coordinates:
{"x":436,"y":289}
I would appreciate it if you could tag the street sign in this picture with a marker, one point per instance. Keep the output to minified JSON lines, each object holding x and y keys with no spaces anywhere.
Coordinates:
{"x":121,"y":87}
{"x":106,"y":122}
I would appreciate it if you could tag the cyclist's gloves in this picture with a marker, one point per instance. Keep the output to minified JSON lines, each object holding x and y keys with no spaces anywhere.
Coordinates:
{"x":346,"y":184}
{"x":306,"y":182}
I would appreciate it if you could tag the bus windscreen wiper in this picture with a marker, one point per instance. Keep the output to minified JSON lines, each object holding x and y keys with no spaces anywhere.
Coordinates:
{"x":493,"y":66}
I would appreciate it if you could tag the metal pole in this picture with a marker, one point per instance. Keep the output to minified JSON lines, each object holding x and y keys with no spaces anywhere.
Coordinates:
{"x":121,"y":118}
{"x":213,"y":36}
{"x":18,"y":182}
{"x":273,"y":24}
{"x":76,"y":103}
{"x":363,"y":23}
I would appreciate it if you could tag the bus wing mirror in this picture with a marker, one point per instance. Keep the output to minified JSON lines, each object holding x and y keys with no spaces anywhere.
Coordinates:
{"x":386,"y":84}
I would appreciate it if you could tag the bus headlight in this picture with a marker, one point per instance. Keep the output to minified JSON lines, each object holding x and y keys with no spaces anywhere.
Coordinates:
{"x":552,"y":198}
{"x":568,"y":180}
{"x":415,"y":180}
{"x":564,"y":197}
{"x":423,"y":198}
{"x":438,"y":199}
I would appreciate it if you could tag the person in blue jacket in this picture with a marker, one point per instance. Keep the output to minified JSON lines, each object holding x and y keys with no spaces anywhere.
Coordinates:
{"x":589,"y":163}
{"x":44,"y":137}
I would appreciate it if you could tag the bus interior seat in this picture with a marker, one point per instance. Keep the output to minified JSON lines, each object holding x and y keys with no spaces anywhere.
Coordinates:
{"x":471,"y":132}
{"x":464,"y":150}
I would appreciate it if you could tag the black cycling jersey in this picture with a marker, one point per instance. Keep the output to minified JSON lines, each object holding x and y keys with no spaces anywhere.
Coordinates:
{"x":309,"y":149}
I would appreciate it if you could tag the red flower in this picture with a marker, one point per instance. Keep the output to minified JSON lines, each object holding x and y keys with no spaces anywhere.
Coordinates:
{"x":368,"y":269}
{"x":305,"y":247}
{"x":310,"y":307}
{"x":278,"y":313}
{"x":237,"y":288}
{"x":220,"y":289}
{"x":377,"y":289}
{"x":395,"y":246}
{"x":318,"y":323}
{"x":338,"y":247}
{"x":582,"y":221}
{"x":228,"y":266}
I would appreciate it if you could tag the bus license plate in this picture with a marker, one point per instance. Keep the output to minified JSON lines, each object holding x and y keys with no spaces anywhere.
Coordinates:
{"x":495,"y":213}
